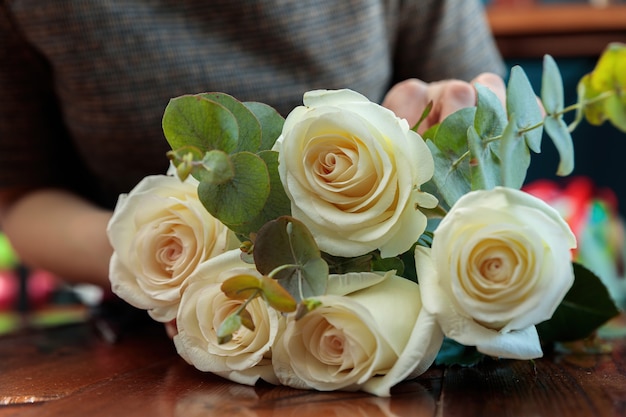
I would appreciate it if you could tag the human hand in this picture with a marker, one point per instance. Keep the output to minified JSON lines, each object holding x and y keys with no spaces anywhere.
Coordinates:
{"x":409,"y":98}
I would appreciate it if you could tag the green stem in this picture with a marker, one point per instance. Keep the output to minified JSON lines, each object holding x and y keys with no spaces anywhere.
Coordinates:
{"x":282,"y":268}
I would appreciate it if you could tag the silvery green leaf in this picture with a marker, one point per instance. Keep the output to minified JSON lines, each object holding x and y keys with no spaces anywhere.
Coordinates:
{"x":450,"y":153}
{"x":551,"y":86}
{"x":522,"y":101}
{"x":490,"y":117}
{"x":514,"y":155}
{"x":196,"y":121}
{"x":249,"y":127}
{"x":484,"y":164}
{"x":557,"y":131}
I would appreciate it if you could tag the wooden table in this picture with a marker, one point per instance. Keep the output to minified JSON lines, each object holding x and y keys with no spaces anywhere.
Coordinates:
{"x":72,"y":371}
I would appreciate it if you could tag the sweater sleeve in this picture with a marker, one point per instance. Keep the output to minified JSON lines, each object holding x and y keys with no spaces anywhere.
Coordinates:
{"x":442,"y":39}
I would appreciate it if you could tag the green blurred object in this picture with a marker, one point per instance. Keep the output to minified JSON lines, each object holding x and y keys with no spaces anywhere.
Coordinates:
{"x":8,"y":258}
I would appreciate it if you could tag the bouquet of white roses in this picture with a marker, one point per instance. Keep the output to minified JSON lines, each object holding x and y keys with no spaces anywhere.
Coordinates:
{"x":337,"y":249}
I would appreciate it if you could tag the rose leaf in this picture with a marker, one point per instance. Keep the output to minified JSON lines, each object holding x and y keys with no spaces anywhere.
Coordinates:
{"x":195,"y":121}
{"x":586,"y":306}
{"x":249,"y":126}
{"x":239,"y":200}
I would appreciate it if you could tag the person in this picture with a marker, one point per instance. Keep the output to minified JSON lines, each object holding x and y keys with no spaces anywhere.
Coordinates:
{"x":85,"y":82}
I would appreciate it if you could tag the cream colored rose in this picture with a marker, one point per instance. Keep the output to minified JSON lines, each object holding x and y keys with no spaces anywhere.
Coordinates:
{"x":500,"y":264}
{"x":352,"y":171}
{"x":247,"y":357}
{"x":363,"y":337}
{"x":160,"y":233}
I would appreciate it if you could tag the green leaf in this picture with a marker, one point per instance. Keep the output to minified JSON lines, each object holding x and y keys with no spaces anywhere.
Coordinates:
{"x":277,"y":203}
{"x":286,"y":244}
{"x":217,"y":168}
{"x":271,"y":123}
{"x":484,"y":164}
{"x":277,"y":296}
{"x":608,"y":79}
{"x":196,"y":121}
{"x":521,"y":101}
{"x":586,"y":306}
{"x":557,"y":130}
{"x":551,"y":87}
{"x":490,"y":118}
{"x":241,"y":199}
{"x":249,"y":138}
{"x":241,"y":287}
{"x":449,"y":149}
{"x":229,"y":326}
{"x":453,"y":353}
{"x":423,"y":116}
{"x":246,"y":320}
{"x":514,"y":156}
{"x":388,"y":264}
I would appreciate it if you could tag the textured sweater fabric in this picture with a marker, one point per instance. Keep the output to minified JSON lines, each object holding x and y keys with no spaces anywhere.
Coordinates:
{"x":84,"y":83}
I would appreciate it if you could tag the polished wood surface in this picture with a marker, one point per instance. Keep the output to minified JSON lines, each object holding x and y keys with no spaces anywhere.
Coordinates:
{"x":574,"y":30}
{"x":73,"y":371}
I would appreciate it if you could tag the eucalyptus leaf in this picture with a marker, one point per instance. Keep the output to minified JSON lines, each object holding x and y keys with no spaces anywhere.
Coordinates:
{"x":195,"y":121}
{"x":514,"y":156}
{"x":586,"y":306}
{"x":277,"y":203}
{"x":241,"y":199}
{"x":230,"y":325}
{"x":249,"y":138}
{"x":551,"y":87}
{"x":277,"y":296}
{"x":490,"y":118}
{"x":271,"y":123}
{"x":217,"y":168}
{"x":450,"y":153}
{"x":484,"y":164}
{"x":286,"y":245}
{"x":241,"y":287}
{"x":557,"y":130}
{"x":521,"y":101}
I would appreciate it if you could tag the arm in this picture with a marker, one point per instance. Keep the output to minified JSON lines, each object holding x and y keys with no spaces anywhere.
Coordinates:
{"x":58,"y":231}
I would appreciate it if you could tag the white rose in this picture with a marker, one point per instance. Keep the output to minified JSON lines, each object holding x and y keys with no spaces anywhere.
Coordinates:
{"x":247,"y":357}
{"x":160,"y":233}
{"x":500,"y":264}
{"x":352,"y":171}
{"x":369,"y":339}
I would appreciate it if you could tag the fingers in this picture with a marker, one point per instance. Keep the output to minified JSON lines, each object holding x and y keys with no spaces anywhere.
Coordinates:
{"x":494,"y":82}
{"x":409,"y":98}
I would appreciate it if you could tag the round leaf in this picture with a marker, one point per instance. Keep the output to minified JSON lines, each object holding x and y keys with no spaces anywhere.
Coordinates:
{"x":242,"y":198}
{"x":196,"y":121}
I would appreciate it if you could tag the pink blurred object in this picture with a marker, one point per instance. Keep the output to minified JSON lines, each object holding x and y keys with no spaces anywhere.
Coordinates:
{"x":40,"y":286}
{"x":9,"y":289}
